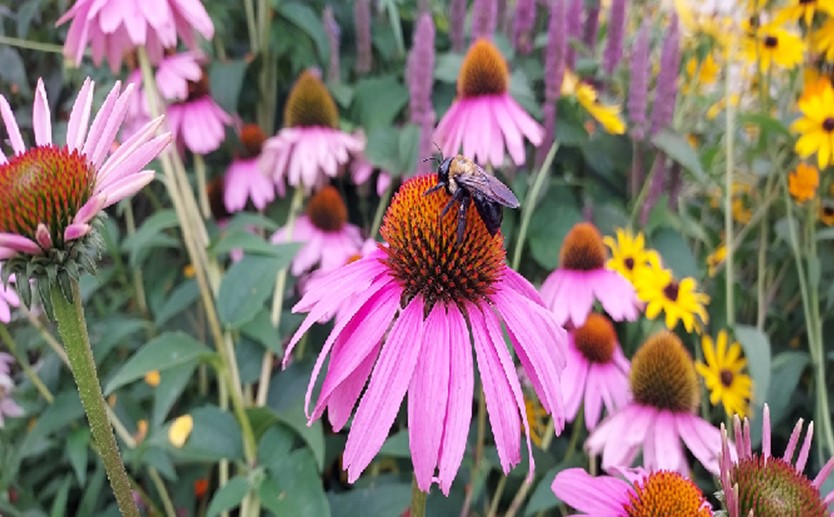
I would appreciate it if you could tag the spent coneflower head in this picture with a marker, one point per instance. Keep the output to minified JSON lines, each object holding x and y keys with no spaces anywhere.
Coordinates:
{"x":310,"y":148}
{"x":666,"y":394}
{"x":244,"y":180}
{"x":329,"y":240}
{"x":722,"y":371}
{"x":582,"y":277}
{"x":412,"y":306}
{"x":484,"y":120}
{"x":51,"y":195}
{"x":680,"y":300}
{"x":114,"y":28}
{"x":596,"y":371}
{"x":635,"y":493}
{"x":769,"y":486}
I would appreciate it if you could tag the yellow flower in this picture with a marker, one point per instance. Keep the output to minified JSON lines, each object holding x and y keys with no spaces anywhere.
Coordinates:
{"x":538,"y":419}
{"x":608,"y":116}
{"x":152,"y":378}
{"x":816,"y":126}
{"x":180,"y":430}
{"x":722,"y":375}
{"x":716,"y":258}
{"x":803,"y":182}
{"x":721,"y":104}
{"x":805,"y":10}
{"x":629,"y":253}
{"x":822,"y":39}
{"x":770,"y":44}
{"x":679,"y":300}
{"x":703,"y":72}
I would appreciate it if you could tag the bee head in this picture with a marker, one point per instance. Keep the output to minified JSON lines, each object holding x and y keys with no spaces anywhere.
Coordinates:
{"x":443,"y":171}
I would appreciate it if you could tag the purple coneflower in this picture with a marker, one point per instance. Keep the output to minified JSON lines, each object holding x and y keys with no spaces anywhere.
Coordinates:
{"x":663,"y":413}
{"x":484,"y":120}
{"x":310,"y":148}
{"x":244,"y":180}
{"x":582,"y":277}
{"x":114,"y":28}
{"x":413,"y":305}
{"x":198,"y":122}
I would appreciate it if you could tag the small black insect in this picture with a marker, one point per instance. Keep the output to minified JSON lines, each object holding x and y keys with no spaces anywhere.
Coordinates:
{"x":467,"y":182}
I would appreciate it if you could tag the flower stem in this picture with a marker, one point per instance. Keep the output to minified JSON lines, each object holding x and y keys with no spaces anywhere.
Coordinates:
{"x":729,"y":139}
{"x":73,"y":329}
{"x":163,"y":492}
{"x":380,"y":210}
{"x":31,"y":45}
{"x":418,"y":500}
{"x":202,"y":190}
{"x":530,"y":203}
{"x":30,"y":374}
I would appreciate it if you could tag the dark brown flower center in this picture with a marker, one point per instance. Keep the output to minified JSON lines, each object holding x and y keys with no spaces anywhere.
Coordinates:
{"x":43,"y":185}
{"x":629,"y":263}
{"x":252,"y":138}
{"x":327,"y":210}
{"x":198,"y":88}
{"x":483,"y":72}
{"x":310,"y":104}
{"x":663,"y":375}
{"x":771,"y":42}
{"x":583,"y":249}
{"x":671,"y":291}
{"x":596,"y":339}
{"x":726,"y":378}
{"x":664,"y":494}
{"x":424,"y":255}
{"x":828,"y":124}
{"x":774,"y":488}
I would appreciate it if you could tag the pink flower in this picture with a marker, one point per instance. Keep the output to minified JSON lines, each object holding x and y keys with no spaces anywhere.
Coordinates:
{"x":761,"y":484}
{"x":407,"y":328}
{"x":662,"y":414}
{"x":198,"y":122}
{"x":49,"y":195}
{"x":8,"y":407}
{"x":329,"y":240}
{"x":597,"y":369}
{"x":640,"y":493}
{"x":582,"y":277}
{"x":8,"y":299}
{"x":310,"y":148}
{"x":244,"y":179}
{"x":485,"y":120}
{"x":114,"y":28}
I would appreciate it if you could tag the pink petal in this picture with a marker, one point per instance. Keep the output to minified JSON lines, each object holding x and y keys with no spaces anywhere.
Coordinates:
{"x":603,"y":495}
{"x":90,"y":209}
{"x":101,"y":120}
{"x":701,"y":438}
{"x":76,"y":231}
{"x":42,"y":236}
{"x":41,"y":118}
{"x":11,"y":126}
{"x":80,"y":116}
{"x":343,"y":399}
{"x":126,"y":187}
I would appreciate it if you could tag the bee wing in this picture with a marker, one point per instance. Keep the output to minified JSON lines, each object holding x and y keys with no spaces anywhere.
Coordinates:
{"x":489,"y":187}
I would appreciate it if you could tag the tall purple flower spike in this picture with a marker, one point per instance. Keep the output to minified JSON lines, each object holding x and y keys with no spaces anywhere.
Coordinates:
{"x":666,"y":91}
{"x":332,"y":30}
{"x":638,"y":90}
{"x":362,"y":20}
{"x":457,"y":23}
{"x":589,"y":34}
{"x":574,"y":29}
{"x":484,"y":19}
{"x":555,"y":57}
{"x":616,"y":34}
{"x":525,"y":19}
{"x":419,"y":75}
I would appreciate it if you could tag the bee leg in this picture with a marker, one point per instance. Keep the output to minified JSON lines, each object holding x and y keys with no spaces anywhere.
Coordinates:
{"x":434,"y":189}
{"x":464,"y":205}
{"x":458,"y":196}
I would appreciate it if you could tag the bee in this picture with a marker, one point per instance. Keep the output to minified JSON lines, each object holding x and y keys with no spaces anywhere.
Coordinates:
{"x":468,"y":183}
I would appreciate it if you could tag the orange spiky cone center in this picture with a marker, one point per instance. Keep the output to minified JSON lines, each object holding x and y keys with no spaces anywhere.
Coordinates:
{"x":583,"y":249}
{"x":596,"y":339}
{"x":310,"y":104}
{"x":252,"y":138}
{"x":483,"y":72}
{"x":663,"y":374}
{"x":423,"y":253}
{"x":774,"y":487}
{"x":663,"y":493}
{"x":327,"y":210}
{"x":46,"y":185}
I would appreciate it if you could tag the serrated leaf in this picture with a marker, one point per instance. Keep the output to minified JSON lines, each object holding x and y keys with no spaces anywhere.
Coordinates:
{"x":164,"y":352}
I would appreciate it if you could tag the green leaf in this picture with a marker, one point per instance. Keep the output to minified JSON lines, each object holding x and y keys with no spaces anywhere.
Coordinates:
{"x":92,"y":492}
{"x":249,"y":243}
{"x":172,"y":382}
{"x":246,"y":287}
{"x":180,"y":298}
{"x":261,"y":330}
{"x":396,"y":446}
{"x":447,"y":66}
{"x":378,"y":100}
{"x":229,"y":496}
{"x":59,"y":504}
{"x":679,"y":150}
{"x":408,"y":149}
{"x":786,"y":372}
{"x":65,"y":409}
{"x":554,"y":216}
{"x":150,"y":236}
{"x":294,"y":487}
{"x":766,"y":122}
{"x":383,"y":500}
{"x":77,"y":451}
{"x":305,"y":18}
{"x":225,"y":80}
{"x":542,"y":498}
{"x":275,"y":444}
{"x":382,"y":149}
{"x":216,"y":436}
{"x":676,"y":253}
{"x":756,"y":347}
{"x":164,"y":352}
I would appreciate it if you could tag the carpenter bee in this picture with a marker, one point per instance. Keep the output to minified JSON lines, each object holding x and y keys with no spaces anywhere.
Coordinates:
{"x":467,"y":182}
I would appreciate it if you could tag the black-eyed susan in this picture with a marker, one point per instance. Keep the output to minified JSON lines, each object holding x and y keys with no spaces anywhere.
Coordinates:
{"x":816,"y":125}
{"x":628,"y":252}
{"x":702,"y":72}
{"x":723,"y":374}
{"x":770,"y":44}
{"x":803,"y":182}
{"x":827,"y":212}
{"x":804,"y":10}
{"x":822,"y":40}
{"x":608,"y":116}
{"x":679,"y":300}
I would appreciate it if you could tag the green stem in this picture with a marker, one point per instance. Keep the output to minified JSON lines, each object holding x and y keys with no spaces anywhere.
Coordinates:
{"x":170,"y":511}
{"x":138,"y":284}
{"x":31,"y":45}
{"x":729,"y":276}
{"x":30,"y":374}
{"x":73,"y":330}
{"x":251,"y":25}
{"x":418,"y":500}
{"x":530,"y":203}
{"x":202,"y":190}
{"x":496,"y":497}
{"x":380,"y":210}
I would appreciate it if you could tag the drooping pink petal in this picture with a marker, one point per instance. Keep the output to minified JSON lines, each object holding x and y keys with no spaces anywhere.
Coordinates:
{"x":662,"y":447}
{"x":343,"y":399}
{"x":599,"y":496}
{"x":701,"y":438}
{"x":386,"y":389}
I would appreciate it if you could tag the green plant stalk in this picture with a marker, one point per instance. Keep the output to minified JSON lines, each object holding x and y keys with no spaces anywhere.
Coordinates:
{"x":31,"y":45}
{"x":761,"y":267}
{"x":729,"y":140}
{"x":251,"y":25}
{"x":813,"y":324}
{"x":170,"y":511}
{"x":479,"y":450}
{"x":73,"y":330}
{"x":278,"y":302}
{"x":644,"y":191}
{"x":418,"y":500}
{"x":530,"y":203}
{"x":380,"y":210}
{"x":138,"y":284}
{"x":267,"y":77}
{"x":30,"y":374}
{"x":202,"y":185}
{"x":496,"y":497}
